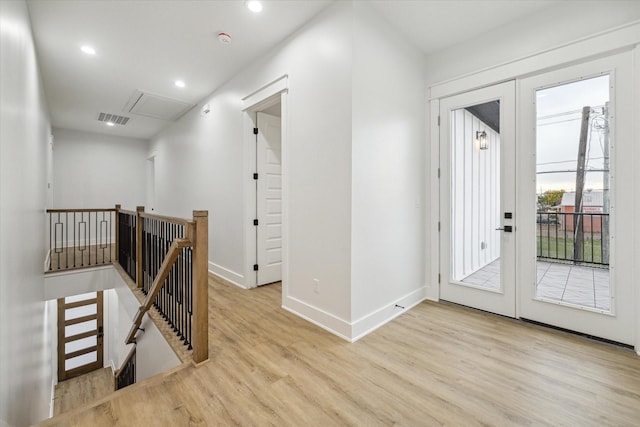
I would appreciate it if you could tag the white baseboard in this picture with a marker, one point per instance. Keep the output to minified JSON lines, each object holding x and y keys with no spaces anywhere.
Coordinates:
{"x":53,"y":396}
{"x":353,"y":331}
{"x":228,"y":275}
{"x":318,"y":317}
{"x":372,"y":321}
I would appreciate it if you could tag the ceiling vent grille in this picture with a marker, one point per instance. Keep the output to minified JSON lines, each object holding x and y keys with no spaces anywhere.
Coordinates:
{"x":113,"y":118}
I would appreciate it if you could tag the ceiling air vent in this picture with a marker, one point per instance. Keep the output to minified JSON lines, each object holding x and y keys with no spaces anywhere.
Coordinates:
{"x":156,"y":106}
{"x":113,"y":118}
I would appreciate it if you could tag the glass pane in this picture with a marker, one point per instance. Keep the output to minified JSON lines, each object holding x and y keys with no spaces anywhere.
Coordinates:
{"x":79,"y":328}
{"x":572,"y":181}
{"x":83,"y":343}
{"x":475,"y":195}
{"x":84,"y":310}
{"x":80,"y":297}
{"x":78,"y":361}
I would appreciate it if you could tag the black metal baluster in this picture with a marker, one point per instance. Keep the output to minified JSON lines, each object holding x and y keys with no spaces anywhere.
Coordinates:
{"x":190,"y":300}
{"x":180,"y":295}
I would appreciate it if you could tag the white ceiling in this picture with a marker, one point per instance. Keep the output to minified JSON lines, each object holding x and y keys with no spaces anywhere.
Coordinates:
{"x":147,"y":45}
{"x":434,"y":25}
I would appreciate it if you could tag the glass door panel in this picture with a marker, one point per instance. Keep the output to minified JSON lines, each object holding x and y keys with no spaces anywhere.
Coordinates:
{"x":573,"y":182}
{"x":477,"y":189}
{"x":475,"y":195}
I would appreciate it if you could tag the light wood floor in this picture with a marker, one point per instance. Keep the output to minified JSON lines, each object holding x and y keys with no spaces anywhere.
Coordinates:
{"x":87,"y":388}
{"x":438,"y":364}
{"x":71,"y":258}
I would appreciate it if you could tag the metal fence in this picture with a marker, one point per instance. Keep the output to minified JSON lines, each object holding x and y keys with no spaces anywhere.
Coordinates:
{"x":578,"y":238}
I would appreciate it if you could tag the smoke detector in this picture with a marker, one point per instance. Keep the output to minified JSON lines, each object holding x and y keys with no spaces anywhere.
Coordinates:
{"x":224,"y":38}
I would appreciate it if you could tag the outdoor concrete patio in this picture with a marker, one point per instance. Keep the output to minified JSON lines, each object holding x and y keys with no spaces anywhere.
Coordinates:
{"x":572,"y":284}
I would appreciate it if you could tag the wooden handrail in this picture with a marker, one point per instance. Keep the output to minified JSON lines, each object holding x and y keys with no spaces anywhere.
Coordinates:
{"x":158,"y":282}
{"x":81,"y":210}
{"x":127,"y":212}
{"x":171,"y":219}
{"x":126,"y":360}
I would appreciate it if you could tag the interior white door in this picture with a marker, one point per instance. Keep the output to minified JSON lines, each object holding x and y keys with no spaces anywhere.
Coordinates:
{"x":576,"y":132}
{"x":269,"y":200}
{"x":477,"y":199}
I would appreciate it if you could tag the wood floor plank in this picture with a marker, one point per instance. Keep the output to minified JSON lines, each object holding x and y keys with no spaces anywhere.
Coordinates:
{"x":437,"y":364}
{"x":77,"y":391}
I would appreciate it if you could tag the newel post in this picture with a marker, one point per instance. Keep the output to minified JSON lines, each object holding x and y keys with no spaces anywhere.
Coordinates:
{"x":139,"y":219}
{"x":117,"y":227}
{"x":200,"y":286}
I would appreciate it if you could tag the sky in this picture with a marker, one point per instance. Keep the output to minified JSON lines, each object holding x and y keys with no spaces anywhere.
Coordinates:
{"x":559,"y":112}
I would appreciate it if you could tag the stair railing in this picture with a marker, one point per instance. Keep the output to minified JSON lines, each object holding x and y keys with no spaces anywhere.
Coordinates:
{"x":126,"y":375}
{"x":81,"y":238}
{"x":171,"y":269}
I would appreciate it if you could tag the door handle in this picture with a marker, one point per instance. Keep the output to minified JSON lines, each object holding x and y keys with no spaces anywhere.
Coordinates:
{"x":506,"y":228}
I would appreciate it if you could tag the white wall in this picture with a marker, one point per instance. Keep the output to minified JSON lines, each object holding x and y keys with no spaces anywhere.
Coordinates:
{"x":566,"y":22}
{"x":200,"y":164}
{"x":153,"y":353}
{"x":25,"y":368}
{"x":352,"y":158}
{"x":388,"y":172}
{"x":98,"y":171}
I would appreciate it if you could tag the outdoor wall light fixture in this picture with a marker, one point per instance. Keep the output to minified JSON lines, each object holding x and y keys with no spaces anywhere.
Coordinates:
{"x":481,"y":139}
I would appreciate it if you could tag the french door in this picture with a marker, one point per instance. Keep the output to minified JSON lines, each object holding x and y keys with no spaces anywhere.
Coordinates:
{"x":575,"y":167}
{"x":536,"y":225}
{"x":477,"y":199}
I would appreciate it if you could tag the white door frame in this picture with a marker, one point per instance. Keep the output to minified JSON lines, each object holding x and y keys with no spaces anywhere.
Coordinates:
{"x":268,"y":95}
{"x":150,"y":196}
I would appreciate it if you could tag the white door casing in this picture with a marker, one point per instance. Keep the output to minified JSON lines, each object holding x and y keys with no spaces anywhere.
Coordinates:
{"x":269,"y":199}
{"x":501,"y":300}
{"x":151,"y":184}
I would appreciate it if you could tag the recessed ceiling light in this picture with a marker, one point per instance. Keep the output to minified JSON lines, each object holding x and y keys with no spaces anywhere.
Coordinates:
{"x":179,"y":83}
{"x":110,"y":124}
{"x":88,"y":50}
{"x":254,"y":6}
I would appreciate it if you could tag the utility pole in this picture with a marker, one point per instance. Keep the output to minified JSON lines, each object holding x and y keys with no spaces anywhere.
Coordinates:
{"x":605,"y":188}
{"x":578,"y":230}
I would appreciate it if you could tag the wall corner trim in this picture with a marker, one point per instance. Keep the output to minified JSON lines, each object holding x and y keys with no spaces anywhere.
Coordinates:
{"x":327,"y":321}
{"x":374,"y":320}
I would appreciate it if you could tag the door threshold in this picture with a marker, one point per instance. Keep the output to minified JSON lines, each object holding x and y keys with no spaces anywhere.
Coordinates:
{"x":581,"y":334}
